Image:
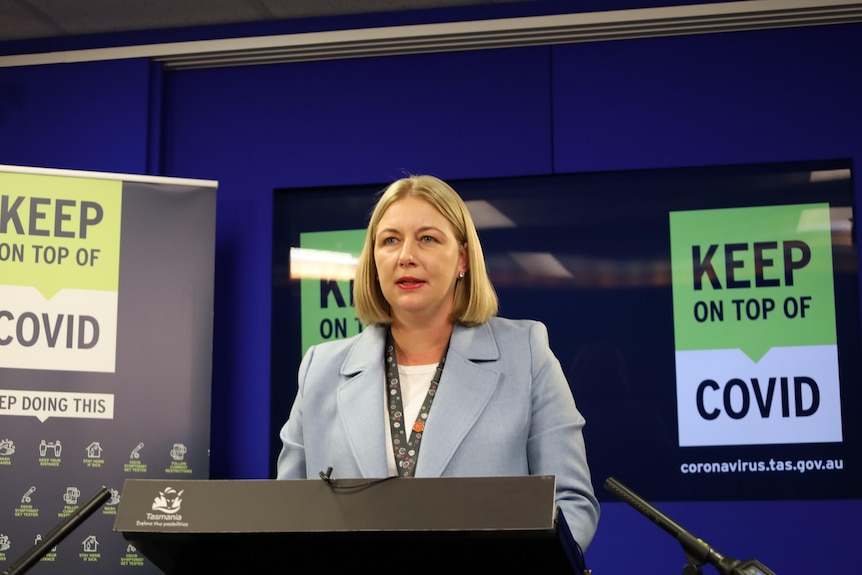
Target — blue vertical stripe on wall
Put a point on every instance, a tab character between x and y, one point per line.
154	120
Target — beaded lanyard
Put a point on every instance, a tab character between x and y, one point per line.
406	450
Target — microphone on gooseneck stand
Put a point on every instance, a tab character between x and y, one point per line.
696	550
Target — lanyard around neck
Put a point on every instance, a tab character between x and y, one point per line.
406	449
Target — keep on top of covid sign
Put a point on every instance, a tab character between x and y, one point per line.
59	272
754	324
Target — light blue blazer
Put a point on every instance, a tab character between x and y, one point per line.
503	408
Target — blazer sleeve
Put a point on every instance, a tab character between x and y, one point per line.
556	443
291	459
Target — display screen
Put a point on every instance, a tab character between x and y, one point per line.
707	318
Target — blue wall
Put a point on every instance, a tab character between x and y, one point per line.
665	102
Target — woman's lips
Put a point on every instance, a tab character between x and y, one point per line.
409	283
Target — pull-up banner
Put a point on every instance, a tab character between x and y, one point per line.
106	303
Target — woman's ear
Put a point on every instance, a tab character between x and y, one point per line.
463	260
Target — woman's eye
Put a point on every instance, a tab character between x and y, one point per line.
429	239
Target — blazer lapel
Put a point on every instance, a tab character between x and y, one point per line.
360	403
465	389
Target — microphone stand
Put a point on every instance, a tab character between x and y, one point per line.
697	551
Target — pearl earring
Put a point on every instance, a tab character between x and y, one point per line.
461	275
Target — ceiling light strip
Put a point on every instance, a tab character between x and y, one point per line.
512	38
473	35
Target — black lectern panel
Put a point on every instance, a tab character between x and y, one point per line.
420	525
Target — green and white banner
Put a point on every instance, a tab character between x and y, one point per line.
754	325
60	267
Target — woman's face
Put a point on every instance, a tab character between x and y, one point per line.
418	259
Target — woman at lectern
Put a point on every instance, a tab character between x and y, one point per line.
436	385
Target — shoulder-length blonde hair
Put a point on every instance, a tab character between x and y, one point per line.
475	297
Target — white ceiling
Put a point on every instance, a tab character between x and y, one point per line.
35	19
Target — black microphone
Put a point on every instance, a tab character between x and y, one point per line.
695	548
327	476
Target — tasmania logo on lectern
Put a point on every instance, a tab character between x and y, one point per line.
165	510
754	325
168	501
59	271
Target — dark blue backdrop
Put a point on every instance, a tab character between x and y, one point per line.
713	99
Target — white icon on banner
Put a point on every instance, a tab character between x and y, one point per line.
136	452
178	452
91	544
4	542
115	497
71	496
94	450
54	446
26	497
6	447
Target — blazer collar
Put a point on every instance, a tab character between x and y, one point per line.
472	343
475	343
467	385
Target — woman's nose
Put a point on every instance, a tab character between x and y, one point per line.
406	257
